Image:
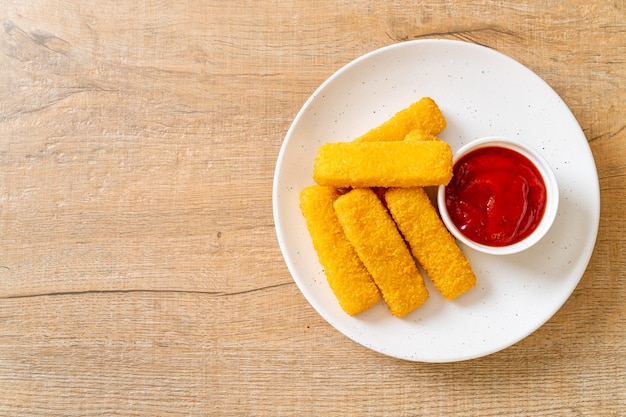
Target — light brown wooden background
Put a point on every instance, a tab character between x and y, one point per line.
139	270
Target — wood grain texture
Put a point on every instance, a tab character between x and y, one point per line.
139	269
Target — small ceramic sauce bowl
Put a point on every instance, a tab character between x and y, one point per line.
503	196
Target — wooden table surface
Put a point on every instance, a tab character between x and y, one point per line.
140	272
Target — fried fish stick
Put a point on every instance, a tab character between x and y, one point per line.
406	163
378	243
346	275
430	242
424	115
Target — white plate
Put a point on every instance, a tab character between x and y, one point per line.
481	93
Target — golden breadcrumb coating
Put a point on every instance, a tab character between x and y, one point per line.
424	115
372	232
430	242
406	163
347	276
418	134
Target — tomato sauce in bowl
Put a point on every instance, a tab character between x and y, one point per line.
497	196
502	197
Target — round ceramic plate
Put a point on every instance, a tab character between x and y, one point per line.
481	93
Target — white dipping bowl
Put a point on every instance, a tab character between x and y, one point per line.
552	196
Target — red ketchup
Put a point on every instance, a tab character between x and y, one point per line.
496	197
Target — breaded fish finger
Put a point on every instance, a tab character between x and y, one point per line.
378	243
424	115
346	275
406	163
430	242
